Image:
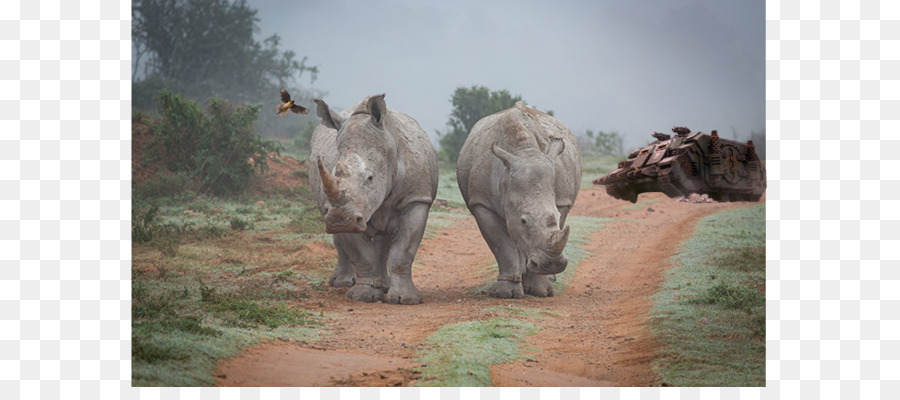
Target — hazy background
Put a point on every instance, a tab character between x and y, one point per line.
632	66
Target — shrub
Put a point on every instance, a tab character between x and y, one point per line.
144	223
239	224
219	149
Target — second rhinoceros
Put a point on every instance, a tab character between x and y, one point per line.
519	172
377	178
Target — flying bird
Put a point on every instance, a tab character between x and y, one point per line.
289	105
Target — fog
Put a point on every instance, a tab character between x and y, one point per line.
632	66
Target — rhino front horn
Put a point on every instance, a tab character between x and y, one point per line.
329	183
558	241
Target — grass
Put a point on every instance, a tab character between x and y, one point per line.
710	314
461	354
448	189
594	167
439	220
213	275
308	220
180	331
244	313
512	311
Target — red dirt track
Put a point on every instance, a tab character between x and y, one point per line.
599	338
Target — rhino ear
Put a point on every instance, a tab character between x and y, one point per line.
503	155
377	108
556	147
329	118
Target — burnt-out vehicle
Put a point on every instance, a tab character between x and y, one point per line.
689	162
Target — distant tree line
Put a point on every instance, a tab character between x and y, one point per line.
206	48
601	143
471	104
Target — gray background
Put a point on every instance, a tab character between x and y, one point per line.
634	67
833	282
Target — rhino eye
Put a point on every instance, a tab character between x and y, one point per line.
370	177
524	222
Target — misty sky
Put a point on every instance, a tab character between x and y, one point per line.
629	66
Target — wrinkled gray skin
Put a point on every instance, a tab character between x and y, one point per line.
374	174
519	172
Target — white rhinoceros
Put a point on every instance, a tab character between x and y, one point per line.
519	172
377	177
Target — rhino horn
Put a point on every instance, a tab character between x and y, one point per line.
558	241
329	183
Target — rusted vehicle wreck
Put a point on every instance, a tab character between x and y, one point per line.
725	170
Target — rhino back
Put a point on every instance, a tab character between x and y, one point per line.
479	171
417	166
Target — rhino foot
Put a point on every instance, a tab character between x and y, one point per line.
342	279
408	296
537	285
365	293
506	290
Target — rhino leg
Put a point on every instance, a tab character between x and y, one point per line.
364	256
537	285
344	274
405	243
510	262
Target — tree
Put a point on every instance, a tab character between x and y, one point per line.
469	106
206	48
218	148
606	143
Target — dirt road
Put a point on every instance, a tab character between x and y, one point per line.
600	337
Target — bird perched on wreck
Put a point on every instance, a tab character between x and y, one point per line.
288	104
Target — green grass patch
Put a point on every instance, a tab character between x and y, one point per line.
441	219
594	167
732	297
213	275
448	188
710	314
512	311
461	354
309	220
245	313
180	331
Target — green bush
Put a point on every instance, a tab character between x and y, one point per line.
239	224
163	185
144	223
220	149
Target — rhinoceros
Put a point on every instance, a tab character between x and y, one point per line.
519	172
377	178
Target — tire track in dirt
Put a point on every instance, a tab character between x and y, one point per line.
600	339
